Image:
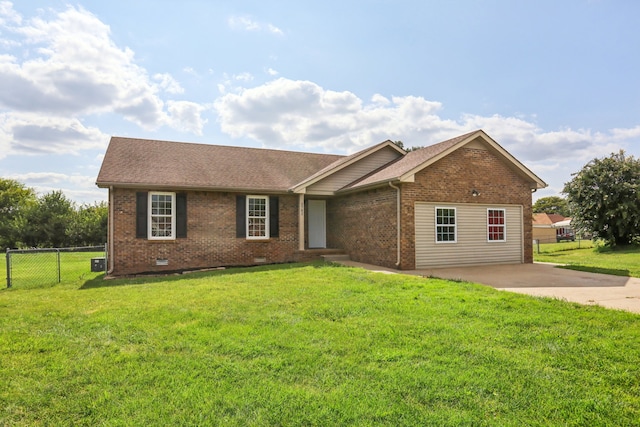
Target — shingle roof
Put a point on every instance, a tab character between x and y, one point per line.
408	162
547	219
148	163
154	164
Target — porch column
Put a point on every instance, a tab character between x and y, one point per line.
301	222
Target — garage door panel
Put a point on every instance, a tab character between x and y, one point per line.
472	247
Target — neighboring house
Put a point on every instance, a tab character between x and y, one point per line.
550	228
179	206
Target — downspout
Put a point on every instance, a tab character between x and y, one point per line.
398	222
110	236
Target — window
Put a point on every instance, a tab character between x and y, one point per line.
257	217
162	216
496	225
446	225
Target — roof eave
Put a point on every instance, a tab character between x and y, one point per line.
142	185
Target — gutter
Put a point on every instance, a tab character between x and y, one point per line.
110	236
398	222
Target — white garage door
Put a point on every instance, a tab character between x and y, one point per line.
472	245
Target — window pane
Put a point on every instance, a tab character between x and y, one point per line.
161	215
496	224
445	225
257	213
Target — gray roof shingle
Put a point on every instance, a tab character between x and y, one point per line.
154	164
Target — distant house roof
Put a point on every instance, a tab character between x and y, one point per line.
544	219
130	162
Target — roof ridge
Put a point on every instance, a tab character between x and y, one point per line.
278	150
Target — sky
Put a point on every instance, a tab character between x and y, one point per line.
556	83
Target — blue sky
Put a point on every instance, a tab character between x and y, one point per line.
556	83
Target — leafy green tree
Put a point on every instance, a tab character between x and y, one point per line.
88	225
604	198
15	199
48	220
551	205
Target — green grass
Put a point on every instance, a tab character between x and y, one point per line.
311	345
620	261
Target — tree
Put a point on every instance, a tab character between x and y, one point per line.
551	205
401	145
88	225
604	198
47	221
15	199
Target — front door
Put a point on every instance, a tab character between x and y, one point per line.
317	224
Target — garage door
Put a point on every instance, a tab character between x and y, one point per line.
468	243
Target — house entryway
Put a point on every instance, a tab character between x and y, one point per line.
317	214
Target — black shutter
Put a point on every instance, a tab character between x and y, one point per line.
241	219
181	215
141	214
274	222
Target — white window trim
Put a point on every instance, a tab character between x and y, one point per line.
266	218
150	216
455	226
504	226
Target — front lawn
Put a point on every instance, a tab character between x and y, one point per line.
311	345
621	261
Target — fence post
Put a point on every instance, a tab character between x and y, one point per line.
58	252
8	268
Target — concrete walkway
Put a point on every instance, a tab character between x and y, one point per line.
539	279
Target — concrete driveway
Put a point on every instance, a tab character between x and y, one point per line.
617	292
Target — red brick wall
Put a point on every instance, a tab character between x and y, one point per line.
452	179
364	225
211	236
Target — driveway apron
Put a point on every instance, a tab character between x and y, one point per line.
545	280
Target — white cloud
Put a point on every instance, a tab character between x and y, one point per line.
168	83
29	133
246	23
8	15
186	116
70	68
289	113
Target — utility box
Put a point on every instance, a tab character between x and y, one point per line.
98	264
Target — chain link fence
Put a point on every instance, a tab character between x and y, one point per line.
31	268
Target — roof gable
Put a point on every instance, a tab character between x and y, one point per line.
361	163
405	169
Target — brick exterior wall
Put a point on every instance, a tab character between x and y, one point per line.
211	236
451	179
364	225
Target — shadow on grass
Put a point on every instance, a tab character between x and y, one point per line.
141	279
600	270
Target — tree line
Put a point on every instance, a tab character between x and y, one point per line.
48	221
